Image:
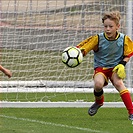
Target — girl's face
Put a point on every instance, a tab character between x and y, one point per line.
110	28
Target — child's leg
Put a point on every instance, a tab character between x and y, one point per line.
125	95
99	97
99	81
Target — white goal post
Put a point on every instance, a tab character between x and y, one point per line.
33	34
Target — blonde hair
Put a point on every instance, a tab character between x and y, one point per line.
114	15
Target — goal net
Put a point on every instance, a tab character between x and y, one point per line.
33	34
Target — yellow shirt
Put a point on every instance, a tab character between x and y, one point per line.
91	43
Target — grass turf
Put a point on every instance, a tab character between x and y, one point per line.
64	120
53	97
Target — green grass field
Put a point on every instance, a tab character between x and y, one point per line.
54	97
64	120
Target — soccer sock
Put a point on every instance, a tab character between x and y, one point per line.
99	97
125	95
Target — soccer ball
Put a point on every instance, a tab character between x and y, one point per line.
72	56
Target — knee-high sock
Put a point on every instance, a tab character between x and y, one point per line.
125	95
99	97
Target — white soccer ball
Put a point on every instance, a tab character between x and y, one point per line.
72	56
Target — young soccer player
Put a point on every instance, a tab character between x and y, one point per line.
5	71
112	50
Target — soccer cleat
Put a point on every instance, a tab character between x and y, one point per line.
131	117
93	109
